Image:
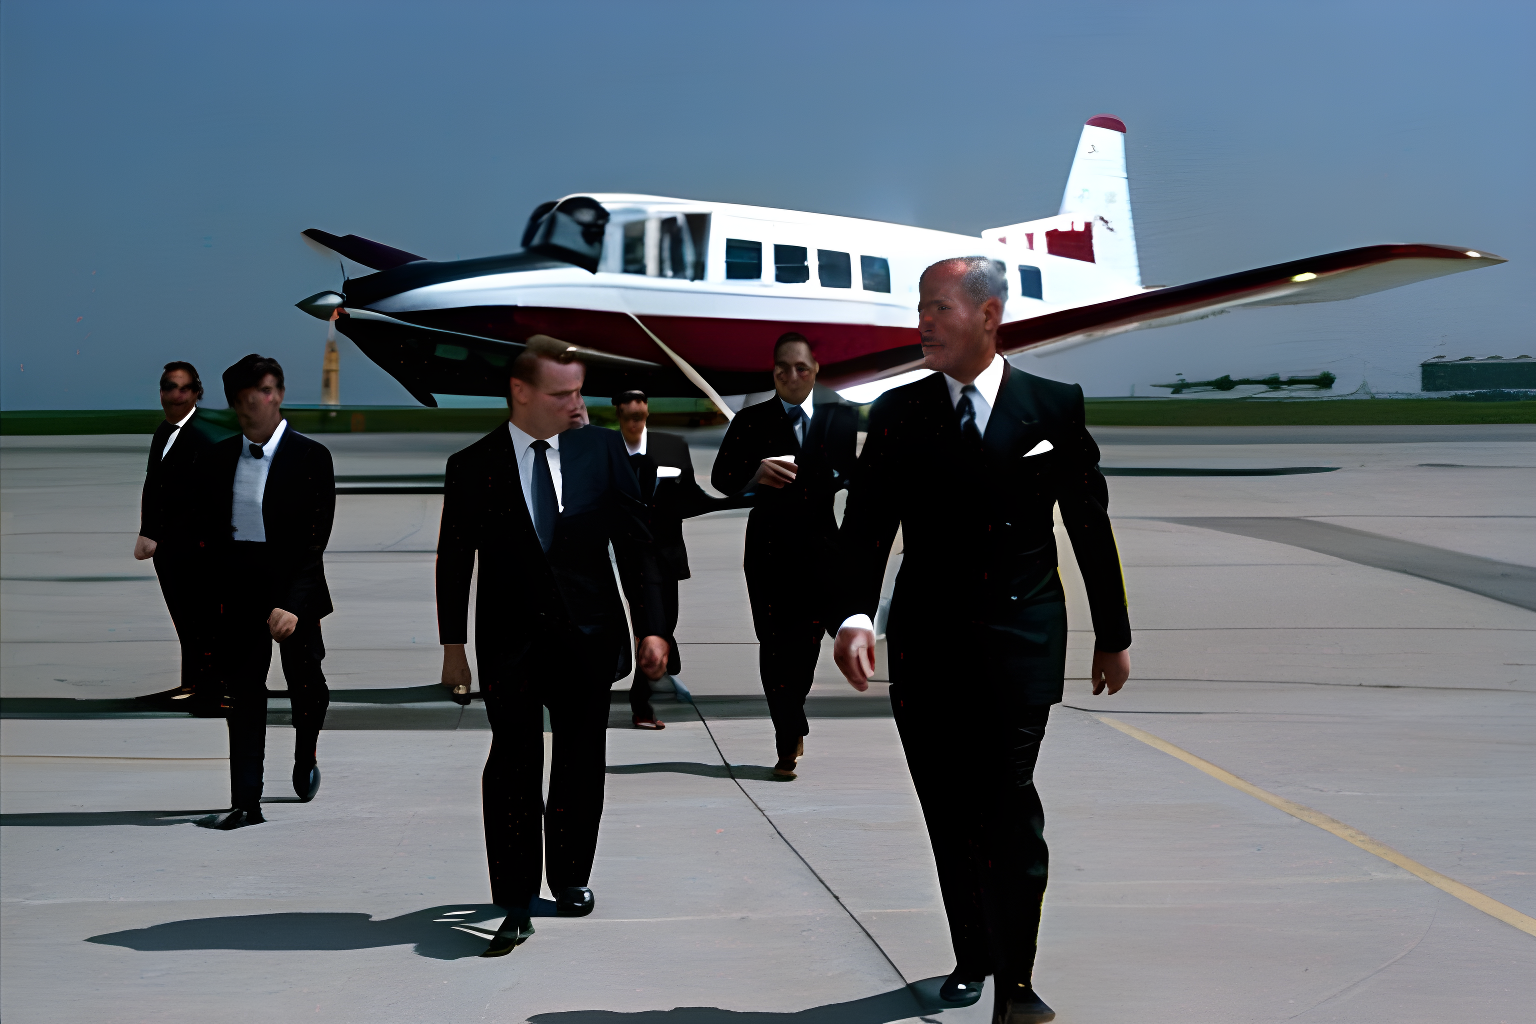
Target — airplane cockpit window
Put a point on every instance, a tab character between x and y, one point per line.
877	273
1029	283
743	260
834	269
671	247
789	264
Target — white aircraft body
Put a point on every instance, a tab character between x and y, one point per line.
676	296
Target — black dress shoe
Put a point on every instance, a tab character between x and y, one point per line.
575	901
514	931
306	781
238	818
960	990
1025	1008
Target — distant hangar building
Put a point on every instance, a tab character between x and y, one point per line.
1473	373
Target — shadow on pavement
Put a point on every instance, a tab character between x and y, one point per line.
69	819
899	1004
755	772
437	932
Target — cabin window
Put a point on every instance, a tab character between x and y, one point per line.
670	247
877	273
834	269
790	264
634	247
743	260
1029	283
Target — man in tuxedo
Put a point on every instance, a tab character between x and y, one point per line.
167	532
539	500
269	501
664	470
968	463
790	455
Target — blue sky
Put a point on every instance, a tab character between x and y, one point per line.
157	160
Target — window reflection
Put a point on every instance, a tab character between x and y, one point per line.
743	260
790	264
834	269
1029	283
877	273
671	247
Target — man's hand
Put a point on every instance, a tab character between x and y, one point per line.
144	548
455	667
854	652
773	473
653	654
1111	669
281	624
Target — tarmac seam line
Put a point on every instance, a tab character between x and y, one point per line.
731	770
1465	893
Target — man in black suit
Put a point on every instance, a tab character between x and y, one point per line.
269	501
669	487
539	501
969	462
167	531
791	455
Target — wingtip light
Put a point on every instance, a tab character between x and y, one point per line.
1474	255
1300	278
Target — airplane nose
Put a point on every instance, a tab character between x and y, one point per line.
321	305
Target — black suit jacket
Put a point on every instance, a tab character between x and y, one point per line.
524	592
297	511
977	528
801	512
672	499
167	509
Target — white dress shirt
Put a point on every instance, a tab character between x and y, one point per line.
522	447
176	433
638	449
803	425
988	383
251	487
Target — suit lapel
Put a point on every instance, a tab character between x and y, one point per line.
1009	418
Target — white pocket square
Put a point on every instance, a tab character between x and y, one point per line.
1039	449
667	472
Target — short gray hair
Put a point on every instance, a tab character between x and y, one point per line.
985	278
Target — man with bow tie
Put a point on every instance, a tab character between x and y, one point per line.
269	500
790	455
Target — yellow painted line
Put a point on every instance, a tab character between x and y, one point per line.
1465	893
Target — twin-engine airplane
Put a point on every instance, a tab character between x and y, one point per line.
676	297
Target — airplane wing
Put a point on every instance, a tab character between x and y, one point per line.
1338	275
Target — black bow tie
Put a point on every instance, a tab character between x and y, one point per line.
256	451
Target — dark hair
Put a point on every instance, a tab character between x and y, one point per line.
789	338
541	346
632	395
248	373
188	369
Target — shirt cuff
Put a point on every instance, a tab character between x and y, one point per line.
859	621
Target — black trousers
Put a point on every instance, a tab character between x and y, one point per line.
972	742
192	609
639	686
521	831
243	659
788	619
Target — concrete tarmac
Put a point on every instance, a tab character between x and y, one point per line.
1325	673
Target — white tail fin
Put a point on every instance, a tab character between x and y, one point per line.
1099	193
1094	224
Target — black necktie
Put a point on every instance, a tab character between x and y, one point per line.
967	411
255	450
796	418
545	508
